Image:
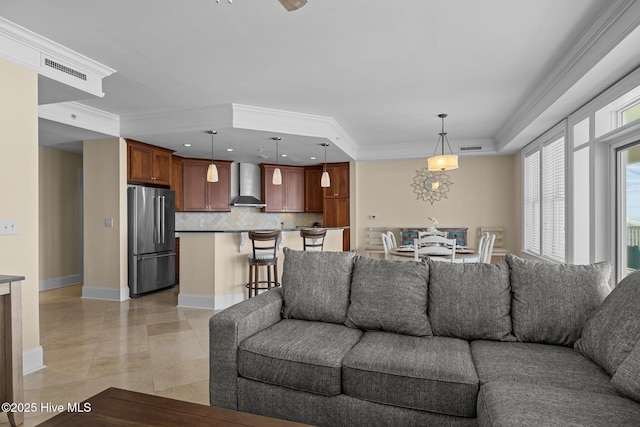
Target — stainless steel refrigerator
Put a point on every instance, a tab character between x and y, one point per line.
152	244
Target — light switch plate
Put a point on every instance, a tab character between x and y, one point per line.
8	226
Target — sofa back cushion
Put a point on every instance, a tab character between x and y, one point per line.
470	301
316	285
388	295
551	302
613	330
627	377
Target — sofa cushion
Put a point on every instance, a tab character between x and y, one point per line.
529	363
627	378
506	404
298	354
316	285
390	296
470	301
433	374
551	302
614	328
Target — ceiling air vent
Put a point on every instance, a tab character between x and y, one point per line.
57	66
472	148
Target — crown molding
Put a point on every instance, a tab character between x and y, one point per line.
616	20
30	50
187	120
417	150
79	115
289	122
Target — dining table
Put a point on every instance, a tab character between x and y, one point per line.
463	254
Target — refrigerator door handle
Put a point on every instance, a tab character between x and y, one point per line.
142	257
162	221
156	201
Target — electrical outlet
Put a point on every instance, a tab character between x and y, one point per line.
108	222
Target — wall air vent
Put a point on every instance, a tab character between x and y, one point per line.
57	66
472	148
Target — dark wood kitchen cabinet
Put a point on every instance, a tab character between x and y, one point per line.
339	176
199	195
148	164
313	192
287	197
176	180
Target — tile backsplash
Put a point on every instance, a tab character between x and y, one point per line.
243	218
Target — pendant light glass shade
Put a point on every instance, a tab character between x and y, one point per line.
442	162
277	175
212	170
325	180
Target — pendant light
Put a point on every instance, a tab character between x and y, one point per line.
442	162
325	181
277	175
212	171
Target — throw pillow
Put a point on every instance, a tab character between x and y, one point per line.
316	285
470	301
627	378
391	296
614	328
551	302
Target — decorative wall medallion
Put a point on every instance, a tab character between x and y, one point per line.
431	186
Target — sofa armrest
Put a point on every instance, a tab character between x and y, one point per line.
227	330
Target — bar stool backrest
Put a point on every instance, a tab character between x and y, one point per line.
264	244
313	238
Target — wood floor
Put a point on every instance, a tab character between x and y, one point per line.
146	345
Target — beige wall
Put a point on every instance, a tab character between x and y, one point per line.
482	194
59	213
19	188
105	196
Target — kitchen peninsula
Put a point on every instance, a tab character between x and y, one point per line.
213	264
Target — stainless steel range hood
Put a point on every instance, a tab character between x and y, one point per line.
247	185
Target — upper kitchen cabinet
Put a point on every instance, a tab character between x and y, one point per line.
287	197
312	189
176	180
148	164
198	194
339	176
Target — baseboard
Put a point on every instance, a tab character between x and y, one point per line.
32	360
196	301
109	294
58	282
226	301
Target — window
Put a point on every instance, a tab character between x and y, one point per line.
544	201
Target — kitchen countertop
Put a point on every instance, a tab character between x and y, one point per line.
256	229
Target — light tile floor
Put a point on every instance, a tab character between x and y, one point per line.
145	344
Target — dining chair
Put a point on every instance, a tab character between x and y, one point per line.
385	245
392	240
487	251
435	245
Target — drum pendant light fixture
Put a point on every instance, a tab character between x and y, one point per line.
325	181
442	162
277	175
212	171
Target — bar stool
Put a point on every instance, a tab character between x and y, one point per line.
264	254
313	238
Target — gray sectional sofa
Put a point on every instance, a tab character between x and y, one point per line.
356	341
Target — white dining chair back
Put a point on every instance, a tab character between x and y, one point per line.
392	240
487	251
428	244
385	245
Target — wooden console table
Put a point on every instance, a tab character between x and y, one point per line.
11	344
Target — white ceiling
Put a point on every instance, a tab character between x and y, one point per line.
382	70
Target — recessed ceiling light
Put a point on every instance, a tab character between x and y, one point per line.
312	158
229	149
283	155
187	145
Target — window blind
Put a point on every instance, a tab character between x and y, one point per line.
532	202
553	197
